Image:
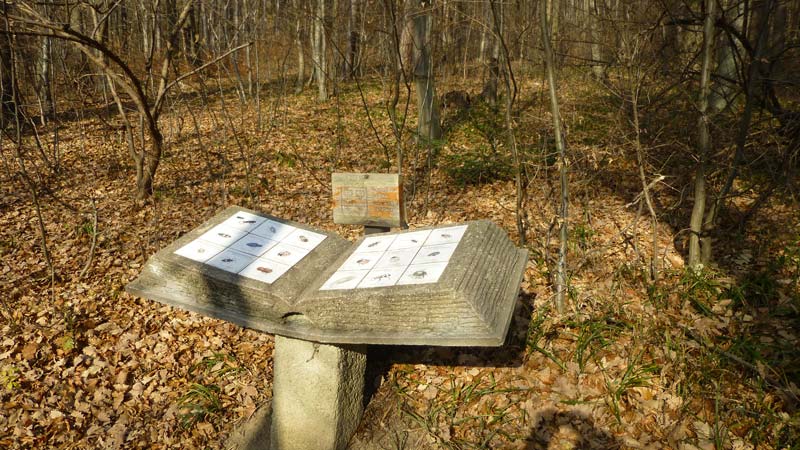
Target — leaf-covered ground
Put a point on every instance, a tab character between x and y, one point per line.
690	361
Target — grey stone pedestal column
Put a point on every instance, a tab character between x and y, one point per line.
317	394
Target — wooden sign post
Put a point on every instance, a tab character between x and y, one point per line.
374	200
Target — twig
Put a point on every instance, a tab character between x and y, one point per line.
214	61
303	163
94	241
774	382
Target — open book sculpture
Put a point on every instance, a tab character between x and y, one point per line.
451	285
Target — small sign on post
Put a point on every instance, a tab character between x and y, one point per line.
369	199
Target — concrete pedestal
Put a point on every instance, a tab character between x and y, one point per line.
317	394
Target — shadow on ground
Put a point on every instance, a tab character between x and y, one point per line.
574	428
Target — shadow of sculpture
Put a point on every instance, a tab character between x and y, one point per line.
553	428
380	358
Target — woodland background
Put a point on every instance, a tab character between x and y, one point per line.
645	152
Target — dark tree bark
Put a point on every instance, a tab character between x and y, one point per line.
8	103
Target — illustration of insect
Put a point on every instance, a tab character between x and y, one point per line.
447	236
382	277
285	253
273	230
227	260
302	238
254	244
248	221
374	244
420	274
394	259
363	261
201	250
264	269
224	235
433	253
240	217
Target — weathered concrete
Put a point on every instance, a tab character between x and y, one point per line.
317	394
470	305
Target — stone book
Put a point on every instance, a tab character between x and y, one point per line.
449	285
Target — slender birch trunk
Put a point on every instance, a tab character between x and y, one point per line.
561	270
704	141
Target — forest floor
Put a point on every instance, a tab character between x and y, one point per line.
692	360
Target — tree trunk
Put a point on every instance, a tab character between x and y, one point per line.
555	36
428	127
697	237
147	164
319	50
485	32
598	67
298	42
9	95
561	270
190	37
753	83
352	33
45	89
723	90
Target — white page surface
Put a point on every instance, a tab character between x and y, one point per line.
264	270
199	250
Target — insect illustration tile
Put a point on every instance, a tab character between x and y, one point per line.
446	235
199	250
361	260
397	258
253	244
264	270
223	235
244	221
410	240
304	239
344	279
231	260
376	243
435	253
286	254
381	277
273	230
422	273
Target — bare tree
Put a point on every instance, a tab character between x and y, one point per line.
29	20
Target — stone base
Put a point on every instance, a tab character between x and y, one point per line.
317	399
